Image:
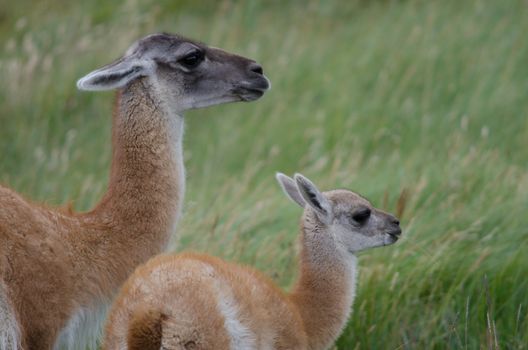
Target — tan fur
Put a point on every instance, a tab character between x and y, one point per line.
192	291
186	288
53	262
58	269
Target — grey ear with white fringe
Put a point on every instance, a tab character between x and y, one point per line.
289	187
314	198
114	75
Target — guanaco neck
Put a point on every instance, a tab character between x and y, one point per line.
325	289
146	184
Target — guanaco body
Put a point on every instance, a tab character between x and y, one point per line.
58	270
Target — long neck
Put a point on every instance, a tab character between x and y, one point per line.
326	286
146	186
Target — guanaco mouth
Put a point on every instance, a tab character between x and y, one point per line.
395	234
250	91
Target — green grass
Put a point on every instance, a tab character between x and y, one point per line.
427	97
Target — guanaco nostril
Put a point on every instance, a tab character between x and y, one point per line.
256	68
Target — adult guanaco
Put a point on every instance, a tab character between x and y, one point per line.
58	270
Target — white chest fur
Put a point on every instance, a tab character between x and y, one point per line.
84	329
9	332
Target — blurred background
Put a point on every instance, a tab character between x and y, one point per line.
419	105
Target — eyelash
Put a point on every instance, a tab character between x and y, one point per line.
361	216
192	59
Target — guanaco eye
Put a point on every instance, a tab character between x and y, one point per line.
361	215
192	59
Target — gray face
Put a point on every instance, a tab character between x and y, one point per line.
358	225
187	73
201	75
353	222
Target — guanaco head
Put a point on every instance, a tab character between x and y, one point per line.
187	73
354	223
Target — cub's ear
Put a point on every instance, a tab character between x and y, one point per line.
290	188
114	75
314	198
145	330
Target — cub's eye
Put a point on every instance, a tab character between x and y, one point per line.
361	215
192	60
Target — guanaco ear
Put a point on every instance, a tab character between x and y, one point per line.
114	75
144	330
290	188
314	198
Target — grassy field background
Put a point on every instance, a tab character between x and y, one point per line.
427	98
